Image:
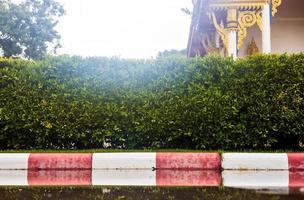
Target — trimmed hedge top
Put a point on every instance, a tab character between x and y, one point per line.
210	103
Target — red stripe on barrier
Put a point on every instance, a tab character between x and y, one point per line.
296	161
59	178
296	178
60	161
188	178
188	161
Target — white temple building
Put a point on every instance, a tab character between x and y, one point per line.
243	27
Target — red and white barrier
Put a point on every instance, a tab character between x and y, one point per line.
263	161
255	161
124	160
206	161
14	161
60	161
296	161
156	160
172	161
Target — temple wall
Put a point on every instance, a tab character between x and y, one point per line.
287	35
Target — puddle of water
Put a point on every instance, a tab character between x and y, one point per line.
111	177
160	183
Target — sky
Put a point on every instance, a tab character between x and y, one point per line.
123	28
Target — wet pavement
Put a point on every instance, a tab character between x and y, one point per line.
144	193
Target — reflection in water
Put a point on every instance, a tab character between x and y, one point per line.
255	179
111	177
59	177
296	179
266	182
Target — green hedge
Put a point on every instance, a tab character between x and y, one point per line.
210	103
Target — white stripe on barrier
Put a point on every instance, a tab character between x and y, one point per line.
12	161
255	179
13	178
124	161
255	161
124	177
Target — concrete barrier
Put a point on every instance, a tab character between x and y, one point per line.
172	161
124	160
206	161
13	161
255	161
296	161
60	161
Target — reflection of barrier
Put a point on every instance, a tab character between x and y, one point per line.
61	177
296	179
188	178
110	177
238	179
263	179
122	177
13	178
255	179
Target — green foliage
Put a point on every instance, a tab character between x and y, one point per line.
27	28
171	102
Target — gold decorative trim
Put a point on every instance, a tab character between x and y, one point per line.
275	5
208	42
246	19
219	28
248	5
259	20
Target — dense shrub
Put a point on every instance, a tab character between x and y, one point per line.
210	103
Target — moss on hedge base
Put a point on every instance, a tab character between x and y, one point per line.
210	103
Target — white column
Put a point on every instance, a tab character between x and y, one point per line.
232	43
266	29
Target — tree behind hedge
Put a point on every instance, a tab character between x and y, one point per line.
27	29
